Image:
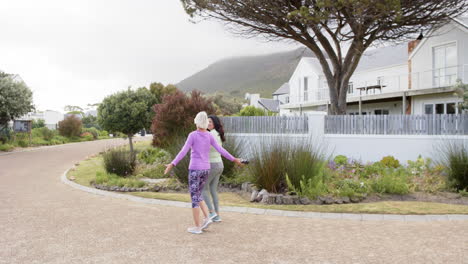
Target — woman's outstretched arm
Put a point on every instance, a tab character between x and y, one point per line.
222	151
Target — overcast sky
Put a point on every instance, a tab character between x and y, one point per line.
75	52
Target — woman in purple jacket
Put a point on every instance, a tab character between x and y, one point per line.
200	141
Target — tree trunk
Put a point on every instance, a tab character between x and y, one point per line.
338	103
130	137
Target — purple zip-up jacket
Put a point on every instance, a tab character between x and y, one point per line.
200	143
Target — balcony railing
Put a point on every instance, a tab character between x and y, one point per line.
434	78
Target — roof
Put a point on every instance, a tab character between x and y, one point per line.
462	21
284	89
372	59
382	57
270	104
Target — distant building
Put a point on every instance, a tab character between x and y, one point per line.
50	117
267	104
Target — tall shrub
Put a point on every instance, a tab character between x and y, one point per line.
455	158
119	161
70	126
174	116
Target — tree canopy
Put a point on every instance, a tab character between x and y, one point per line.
15	98
127	112
336	31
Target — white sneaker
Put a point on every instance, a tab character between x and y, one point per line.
213	215
206	223
194	230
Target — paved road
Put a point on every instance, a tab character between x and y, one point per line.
43	220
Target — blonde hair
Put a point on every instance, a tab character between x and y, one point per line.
201	120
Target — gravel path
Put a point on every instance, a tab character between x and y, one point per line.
43	220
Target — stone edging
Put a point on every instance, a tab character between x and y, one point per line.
260	211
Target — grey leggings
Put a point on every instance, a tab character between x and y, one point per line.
211	186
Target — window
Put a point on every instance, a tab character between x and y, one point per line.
429	109
306	88
350	88
444	64
451	108
381	112
440	109
287	99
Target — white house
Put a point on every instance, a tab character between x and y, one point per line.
266	104
413	78
50	117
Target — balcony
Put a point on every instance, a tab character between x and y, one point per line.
386	85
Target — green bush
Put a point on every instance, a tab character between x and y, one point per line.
372	170
305	162
44	133
93	131
455	158
391	182
310	188
6	147
269	166
154	172
103	134
87	136
22	143
273	161
38	123
40	142
151	155
390	162
238	177
341	160
351	188
251	111
119	161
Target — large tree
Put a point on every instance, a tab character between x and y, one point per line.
15	99
127	112
336	31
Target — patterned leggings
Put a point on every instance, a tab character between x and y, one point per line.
197	179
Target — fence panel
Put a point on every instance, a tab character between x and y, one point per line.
266	124
397	124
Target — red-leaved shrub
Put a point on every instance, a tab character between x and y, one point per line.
70	126
174	116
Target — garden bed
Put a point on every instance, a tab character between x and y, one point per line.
233	194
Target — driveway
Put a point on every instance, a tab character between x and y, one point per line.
42	220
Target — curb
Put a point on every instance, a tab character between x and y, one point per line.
271	212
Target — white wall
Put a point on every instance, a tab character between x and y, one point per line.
283	98
253	99
296	82
53	117
366	148
422	60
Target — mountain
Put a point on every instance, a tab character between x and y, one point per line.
239	75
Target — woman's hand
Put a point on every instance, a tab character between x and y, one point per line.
238	162
168	168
